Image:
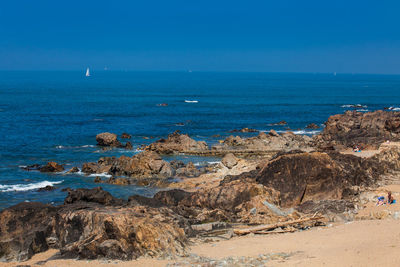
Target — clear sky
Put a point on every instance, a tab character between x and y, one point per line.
273	36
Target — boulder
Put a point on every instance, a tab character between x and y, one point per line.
107	139
96	195
73	170
229	160
244	130
176	143
51	167
46	188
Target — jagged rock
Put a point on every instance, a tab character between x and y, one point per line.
175	143
229	160
361	129
128	146
272	133
24	229
125	136
73	170
51	167
176	164
312	126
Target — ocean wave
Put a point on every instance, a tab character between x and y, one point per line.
206	163
362	110
104	174
354	106
27	187
68	147
300	132
191	101
393	108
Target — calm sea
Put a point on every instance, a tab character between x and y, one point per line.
55	116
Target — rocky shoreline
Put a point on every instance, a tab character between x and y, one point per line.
269	179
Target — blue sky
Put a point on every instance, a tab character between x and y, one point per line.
272	36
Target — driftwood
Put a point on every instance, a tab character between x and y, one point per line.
273	226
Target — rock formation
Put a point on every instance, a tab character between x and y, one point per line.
266	142
361	129
111	140
147	164
51	167
176	143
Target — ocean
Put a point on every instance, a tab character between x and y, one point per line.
55	116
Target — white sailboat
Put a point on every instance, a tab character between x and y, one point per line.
87	72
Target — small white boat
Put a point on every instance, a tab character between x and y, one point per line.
191	101
87	72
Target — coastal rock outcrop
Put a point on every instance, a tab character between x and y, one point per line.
147	164
229	160
266	142
360	128
176	143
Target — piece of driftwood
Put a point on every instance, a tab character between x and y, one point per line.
273	226
274	232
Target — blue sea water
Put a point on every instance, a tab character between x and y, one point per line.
55	116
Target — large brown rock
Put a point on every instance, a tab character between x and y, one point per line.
229	160
107	139
24	229
176	143
111	140
362	129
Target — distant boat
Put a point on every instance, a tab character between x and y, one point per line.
87	72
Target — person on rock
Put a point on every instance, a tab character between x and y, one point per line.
390	199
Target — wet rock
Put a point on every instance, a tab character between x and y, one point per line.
312	126
51	167
125	136
33	167
118	181
176	164
46	188
73	170
24	229
128	146
281	123
229	160
176	143
97	180
244	130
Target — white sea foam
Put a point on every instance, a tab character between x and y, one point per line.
362	110
84	146
394	108
208	162
191	101
104	174
302	132
354	106
27	187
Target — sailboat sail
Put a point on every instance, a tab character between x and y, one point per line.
87	72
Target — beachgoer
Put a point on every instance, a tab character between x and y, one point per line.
390	200
381	201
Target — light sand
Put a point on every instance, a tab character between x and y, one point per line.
360	243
